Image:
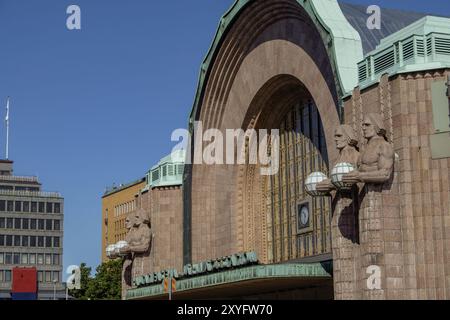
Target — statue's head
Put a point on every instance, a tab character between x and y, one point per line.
141	217
373	125
129	221
344	136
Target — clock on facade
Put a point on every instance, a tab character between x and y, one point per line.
303	216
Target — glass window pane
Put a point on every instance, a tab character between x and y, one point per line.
33	206
49	207
32	241
40	258
48	242
2	258
48	276
56	259
2	240
24	258
32	258
16	258
33	224
17	241
48	259
40	241
26	206
56	242
18	206
56	225
7	276
9	223
17	223
25	224
41	206
10	206
8	258
2	223
57	207
9	241
25	241
48	224
56	276
2	205
40	276
41	224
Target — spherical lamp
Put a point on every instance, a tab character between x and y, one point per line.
111	251
338	172
120	245
311	184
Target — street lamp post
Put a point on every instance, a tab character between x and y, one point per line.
54	288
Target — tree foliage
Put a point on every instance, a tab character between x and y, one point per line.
105	285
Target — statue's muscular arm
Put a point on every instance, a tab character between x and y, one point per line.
385	164
143	245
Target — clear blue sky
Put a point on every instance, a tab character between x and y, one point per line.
97	106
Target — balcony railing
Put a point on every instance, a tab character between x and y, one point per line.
42	194
19	178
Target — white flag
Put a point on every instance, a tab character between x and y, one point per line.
7	110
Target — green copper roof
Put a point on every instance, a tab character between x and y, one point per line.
260	272
341	40
423	45
168	171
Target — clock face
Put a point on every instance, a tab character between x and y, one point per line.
304	216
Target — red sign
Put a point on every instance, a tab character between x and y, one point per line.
24	280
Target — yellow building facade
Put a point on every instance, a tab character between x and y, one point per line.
116	204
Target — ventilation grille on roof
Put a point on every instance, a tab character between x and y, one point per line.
429	47
442	46
362	72
420	48
384	61
408	50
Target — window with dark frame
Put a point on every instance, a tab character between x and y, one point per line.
49	207
57	207
41	207
25	224
48	242
48	224
2	205
18	206
10	206
40	241
26	206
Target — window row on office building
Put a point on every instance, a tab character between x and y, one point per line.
30	224
30	206
43	276
124	208
29	241
9	258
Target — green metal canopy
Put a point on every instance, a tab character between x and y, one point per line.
243	278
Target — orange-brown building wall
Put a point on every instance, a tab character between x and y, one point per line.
115	229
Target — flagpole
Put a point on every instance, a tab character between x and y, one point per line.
7	129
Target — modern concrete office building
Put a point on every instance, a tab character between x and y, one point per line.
31	233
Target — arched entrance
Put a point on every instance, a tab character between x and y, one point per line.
271	69
280	221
